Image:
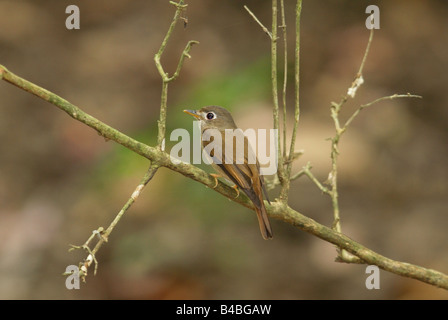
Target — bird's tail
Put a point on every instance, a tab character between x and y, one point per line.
263	221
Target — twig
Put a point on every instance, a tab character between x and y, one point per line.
258	21
297	175
103	235
161	138
359	79
185	54
332	180
307	171
394	96
333	175
366	53
286	185
274	84
285	75
271	184
180	7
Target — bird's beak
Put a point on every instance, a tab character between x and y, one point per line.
193	113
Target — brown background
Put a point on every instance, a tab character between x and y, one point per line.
59	180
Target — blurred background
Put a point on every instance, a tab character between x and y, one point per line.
59	180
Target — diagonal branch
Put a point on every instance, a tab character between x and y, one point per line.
258	21
103	235
278	210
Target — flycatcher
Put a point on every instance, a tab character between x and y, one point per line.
235	163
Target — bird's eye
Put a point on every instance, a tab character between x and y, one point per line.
210	116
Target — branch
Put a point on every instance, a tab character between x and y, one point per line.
333	175
279	209
283	173
103	235
285	74
394	96
258	21
430	276
274	81
276	209
282	179
286	185
332	180
366	53
180	7
185	54
307	171
359	80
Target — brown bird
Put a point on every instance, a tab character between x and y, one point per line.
236	164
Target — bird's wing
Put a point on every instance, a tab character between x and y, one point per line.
238	163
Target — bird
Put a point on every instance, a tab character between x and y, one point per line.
241	167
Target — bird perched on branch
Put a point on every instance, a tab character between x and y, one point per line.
232	157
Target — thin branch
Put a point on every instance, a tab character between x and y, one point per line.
146	178
185	54
278	210
366	53
282	172
103	235
161	123
274	81
307	171
258	21
285	75
297	175
332	180
297	84
285	187
180	7
333	175
394	96
271	184
359	79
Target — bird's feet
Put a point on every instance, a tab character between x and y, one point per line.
216	176
237	190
